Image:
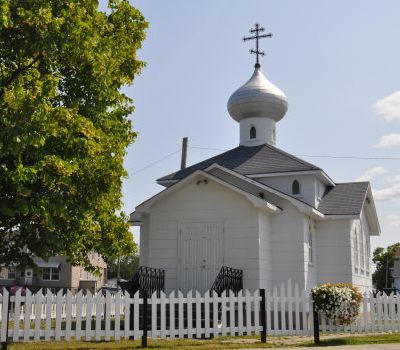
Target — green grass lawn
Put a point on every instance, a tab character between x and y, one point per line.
218	343
356	340
182	344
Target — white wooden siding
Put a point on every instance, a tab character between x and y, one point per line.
334	259
202	202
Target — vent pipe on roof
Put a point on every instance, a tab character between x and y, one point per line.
184	152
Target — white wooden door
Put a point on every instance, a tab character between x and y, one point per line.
28	276
201	255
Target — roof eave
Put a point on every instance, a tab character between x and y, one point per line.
341	216
372	215
166	183
321	173
135	219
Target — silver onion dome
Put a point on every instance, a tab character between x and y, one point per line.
258	98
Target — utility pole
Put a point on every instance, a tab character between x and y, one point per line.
118	270
387	270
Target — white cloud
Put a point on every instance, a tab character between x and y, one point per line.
389	107
388	193
388	140
371	173
392	178
394	220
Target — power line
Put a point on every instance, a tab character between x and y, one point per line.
297	155
156	162
347	157
314	155
210	149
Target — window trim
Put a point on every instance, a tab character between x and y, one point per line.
296	190
362	251
356	247
310	243
7	276
368	254
51	273
253	133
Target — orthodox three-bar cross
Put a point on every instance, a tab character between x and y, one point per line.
257	30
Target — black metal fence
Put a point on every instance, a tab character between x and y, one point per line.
146	279
228	279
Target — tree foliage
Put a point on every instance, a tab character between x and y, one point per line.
381	257
64	126
127	267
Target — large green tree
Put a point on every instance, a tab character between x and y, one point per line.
64	127
384	260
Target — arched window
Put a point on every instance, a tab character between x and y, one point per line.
310	242
295	187
253	132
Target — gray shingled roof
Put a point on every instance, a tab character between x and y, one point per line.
263	159
243	185
344	199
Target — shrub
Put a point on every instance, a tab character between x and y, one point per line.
338	302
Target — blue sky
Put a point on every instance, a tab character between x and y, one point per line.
337	62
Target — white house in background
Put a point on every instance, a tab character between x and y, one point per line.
396	270
259	209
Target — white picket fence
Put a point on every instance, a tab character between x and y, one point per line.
50	311
378	314
98	317
173	316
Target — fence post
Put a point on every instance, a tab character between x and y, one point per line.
131	313
263	318
4	344
144	336
315	322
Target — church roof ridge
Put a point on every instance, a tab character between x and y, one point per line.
262	159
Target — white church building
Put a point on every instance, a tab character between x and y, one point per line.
259	209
